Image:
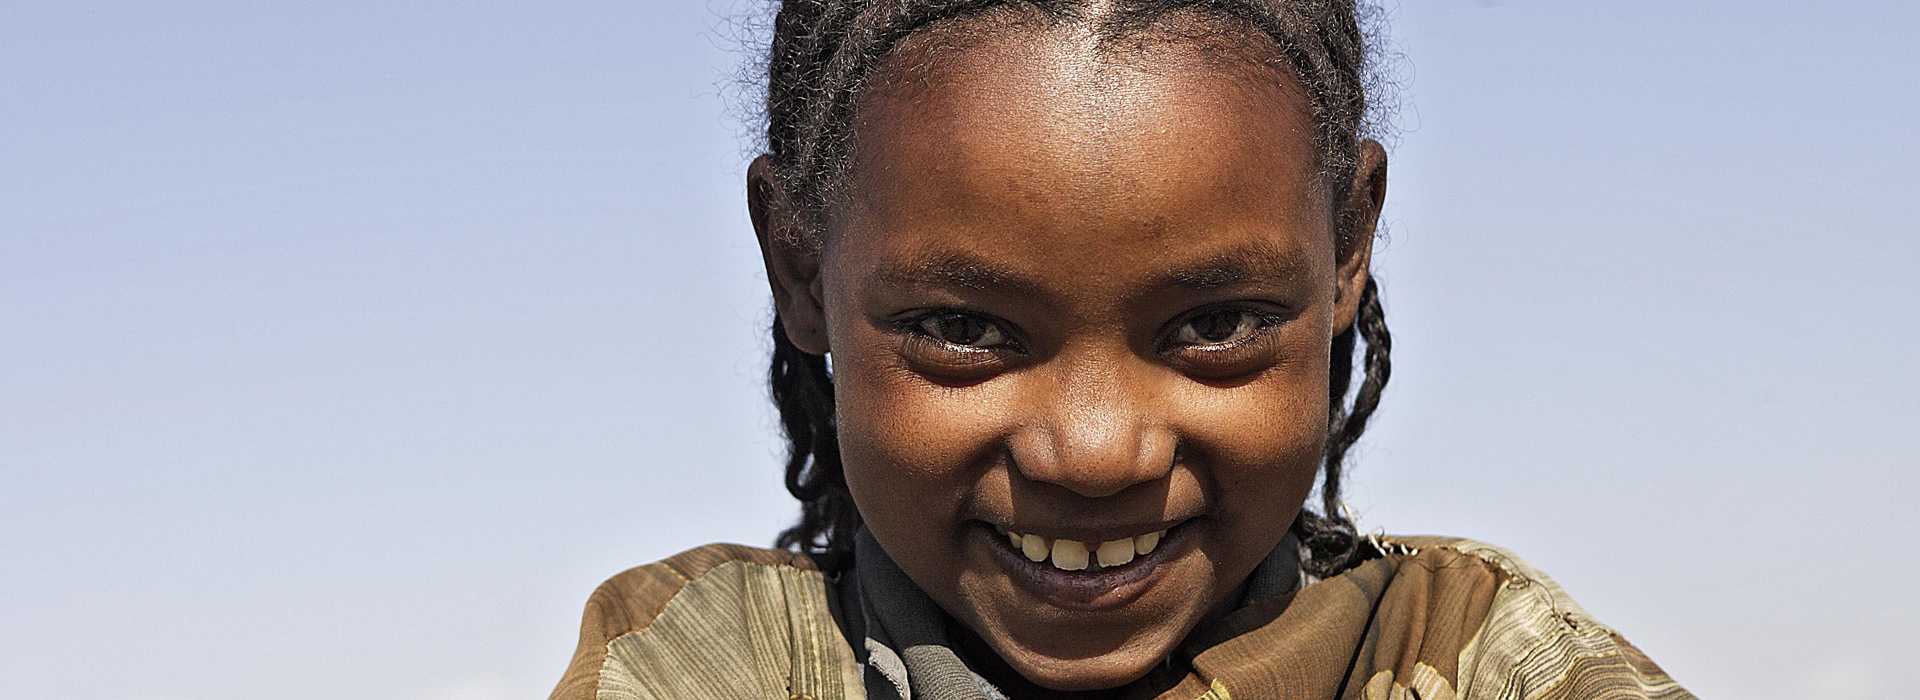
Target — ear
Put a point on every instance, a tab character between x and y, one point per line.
793	267
1358	217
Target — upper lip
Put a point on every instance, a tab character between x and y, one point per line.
1089	531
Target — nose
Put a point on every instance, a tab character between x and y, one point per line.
1095	435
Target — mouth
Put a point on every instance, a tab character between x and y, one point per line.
1085	575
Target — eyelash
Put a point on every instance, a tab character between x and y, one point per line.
921	341
1265	321
911	328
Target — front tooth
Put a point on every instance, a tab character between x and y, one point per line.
1145	544
1014	539
1034	546
1070	555
1116	552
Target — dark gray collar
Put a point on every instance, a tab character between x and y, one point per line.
904	648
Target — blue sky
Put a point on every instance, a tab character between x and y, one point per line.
348	345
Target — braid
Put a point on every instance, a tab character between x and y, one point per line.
803	391
822	57
1330	537
823	51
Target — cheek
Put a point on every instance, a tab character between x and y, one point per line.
1262	441
907	441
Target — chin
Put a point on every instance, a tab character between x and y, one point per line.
1104	672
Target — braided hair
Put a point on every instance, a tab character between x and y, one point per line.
824	54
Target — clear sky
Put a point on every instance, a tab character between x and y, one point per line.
345	346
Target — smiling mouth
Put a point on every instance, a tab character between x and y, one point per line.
1081	575
1074	555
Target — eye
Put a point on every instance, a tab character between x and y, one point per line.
962	330
1219	327
1224	342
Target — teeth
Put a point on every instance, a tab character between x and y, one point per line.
1035	547
1074	555
1144	544
1069	555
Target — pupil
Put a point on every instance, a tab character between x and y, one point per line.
1216	327
962	330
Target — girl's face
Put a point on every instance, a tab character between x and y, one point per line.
1079	311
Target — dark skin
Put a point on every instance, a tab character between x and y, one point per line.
1076	293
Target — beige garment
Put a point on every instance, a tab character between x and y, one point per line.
1431	618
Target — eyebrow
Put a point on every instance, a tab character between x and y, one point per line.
959	270
1259	261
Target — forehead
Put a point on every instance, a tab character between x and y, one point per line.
1043	144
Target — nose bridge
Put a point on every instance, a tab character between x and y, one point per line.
1097	433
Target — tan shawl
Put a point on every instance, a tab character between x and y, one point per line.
1431	618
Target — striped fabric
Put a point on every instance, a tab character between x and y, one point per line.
1432	618
1538	643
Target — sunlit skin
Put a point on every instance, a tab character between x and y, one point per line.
1078	293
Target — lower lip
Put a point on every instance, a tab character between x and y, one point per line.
1082	590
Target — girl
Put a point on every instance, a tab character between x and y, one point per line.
1069	296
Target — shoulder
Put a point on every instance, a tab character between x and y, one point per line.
1501	627
631	600
718	612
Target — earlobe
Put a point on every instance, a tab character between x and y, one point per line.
1359	218
793	267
